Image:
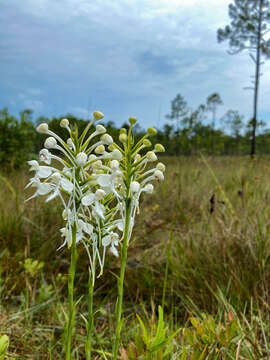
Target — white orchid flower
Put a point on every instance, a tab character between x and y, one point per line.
42	172
111	240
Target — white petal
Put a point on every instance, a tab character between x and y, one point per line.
99	210
88	199
44	171
34	164
52	196
66	185
106	240
120	226
114	251
44	189
88	228
104	180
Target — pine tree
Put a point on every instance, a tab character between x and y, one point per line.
247	31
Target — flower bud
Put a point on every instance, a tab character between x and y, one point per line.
158	175
151	156
116	154
134	186
66	213
81	158
92	157
137	157
64	123
100	129
70	143
42	128
149	188
123	131
123	138
160	166
132	120
147	143
99	194
151	131
111	147
98	115
97	164
114	165
50	143
159	148
100	149
45	156
107	139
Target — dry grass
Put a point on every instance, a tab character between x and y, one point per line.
217	212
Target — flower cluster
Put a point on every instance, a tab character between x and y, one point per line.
95	179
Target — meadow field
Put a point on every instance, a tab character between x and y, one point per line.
200	249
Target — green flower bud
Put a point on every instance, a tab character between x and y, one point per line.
151	156
42	128
132	120
123	131
161	167
151	131
123	138
159	148
64	123
111	147
137	157
98	115
147	143
100	149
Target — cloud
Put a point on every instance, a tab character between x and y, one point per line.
36	105
79	111
122	57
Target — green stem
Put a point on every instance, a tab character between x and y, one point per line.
71	305
120	283
90	325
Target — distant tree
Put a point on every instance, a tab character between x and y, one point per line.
247	31
179	111
234	120
26	115
17	139
212	102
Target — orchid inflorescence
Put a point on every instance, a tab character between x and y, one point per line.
93	176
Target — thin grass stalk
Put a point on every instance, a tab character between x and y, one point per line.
90	324
120	282
166	271
71	304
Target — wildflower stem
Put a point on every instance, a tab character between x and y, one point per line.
118	310
71	305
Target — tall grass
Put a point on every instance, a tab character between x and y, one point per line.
217	215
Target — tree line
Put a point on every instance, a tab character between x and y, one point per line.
187	132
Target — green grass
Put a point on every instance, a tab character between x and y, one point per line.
217	270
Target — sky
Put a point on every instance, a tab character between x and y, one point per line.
122	57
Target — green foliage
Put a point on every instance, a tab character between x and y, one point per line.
16	139
242	32
152	342
4	343
32	267
209	339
